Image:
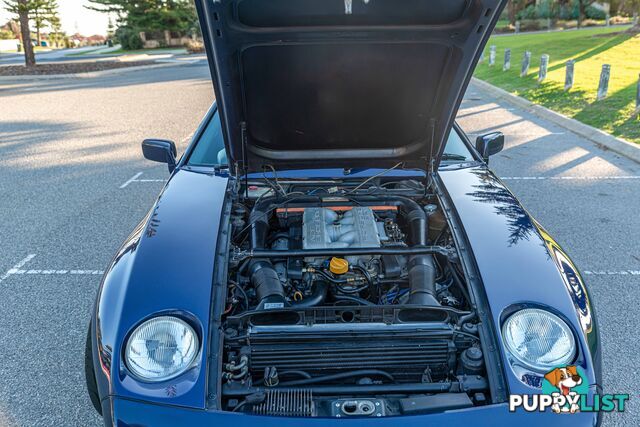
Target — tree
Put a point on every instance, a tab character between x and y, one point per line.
633	7
582	10
55	35
44	11
150	15
23	8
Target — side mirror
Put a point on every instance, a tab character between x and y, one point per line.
160	150
489	144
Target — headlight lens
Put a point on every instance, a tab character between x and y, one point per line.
538	339
161	348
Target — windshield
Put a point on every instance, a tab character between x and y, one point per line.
210	150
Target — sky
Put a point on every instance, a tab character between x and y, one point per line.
74	16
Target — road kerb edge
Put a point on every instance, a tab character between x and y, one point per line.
597	136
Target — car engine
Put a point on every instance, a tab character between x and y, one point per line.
346	303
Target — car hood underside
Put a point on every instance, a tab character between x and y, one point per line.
349	83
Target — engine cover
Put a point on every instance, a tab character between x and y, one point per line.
324	228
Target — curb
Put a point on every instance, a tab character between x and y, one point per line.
597	136
89	75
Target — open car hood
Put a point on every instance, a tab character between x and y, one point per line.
341	83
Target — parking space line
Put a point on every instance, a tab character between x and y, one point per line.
586	178
136	178
17	267
612	273
130	180
524	135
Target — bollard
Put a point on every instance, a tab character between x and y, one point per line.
549	24
603	85
568	77
507	60
517	27
607	20
635	18
526	60
492	55
542	72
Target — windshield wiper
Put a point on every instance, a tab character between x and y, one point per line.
451	156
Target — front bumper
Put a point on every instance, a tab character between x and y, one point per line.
124	412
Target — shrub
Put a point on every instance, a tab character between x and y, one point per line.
6	35
593	13
530	25
134	42
194	46
528	12
620	20
568	24
128	38
591	23
546	9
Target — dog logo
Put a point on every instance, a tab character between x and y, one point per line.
565	379
566	390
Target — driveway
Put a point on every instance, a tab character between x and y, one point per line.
74	184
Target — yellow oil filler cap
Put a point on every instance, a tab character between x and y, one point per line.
338	265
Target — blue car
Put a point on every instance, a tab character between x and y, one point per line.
331	249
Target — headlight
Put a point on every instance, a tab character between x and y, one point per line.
161	348
538	339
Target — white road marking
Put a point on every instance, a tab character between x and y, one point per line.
526	135
612	273
136	178
17	267
586	178
130	180
19	271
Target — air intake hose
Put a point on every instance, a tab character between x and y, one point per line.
266	282
422	281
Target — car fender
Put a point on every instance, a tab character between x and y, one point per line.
520	265
164	267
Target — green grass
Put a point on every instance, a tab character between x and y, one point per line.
590	48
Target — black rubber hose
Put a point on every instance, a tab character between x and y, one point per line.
341	376
459	283
330	278
317	297
299	373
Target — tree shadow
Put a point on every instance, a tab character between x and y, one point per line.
621	105
505	204
199	73
619	38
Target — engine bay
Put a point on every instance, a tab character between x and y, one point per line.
346	300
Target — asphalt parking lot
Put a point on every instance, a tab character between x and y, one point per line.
73	184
